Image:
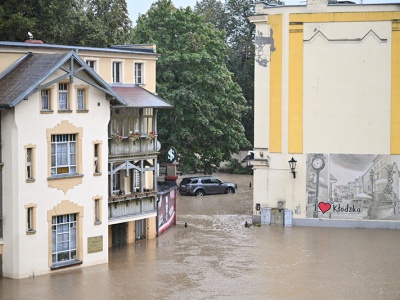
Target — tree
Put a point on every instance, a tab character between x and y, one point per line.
213	12
49	20
204	124
110	23
232	17
97	23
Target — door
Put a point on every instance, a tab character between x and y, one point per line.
119	234
140	229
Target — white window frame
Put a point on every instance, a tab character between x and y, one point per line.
63	154
140	78
63	92
64	238
136	180
116	183
92	63
45	95
117	77
81	99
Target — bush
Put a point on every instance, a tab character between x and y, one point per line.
236	167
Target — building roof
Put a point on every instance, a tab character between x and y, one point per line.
136	96
132	49
27	76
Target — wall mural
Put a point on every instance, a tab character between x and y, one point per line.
349	186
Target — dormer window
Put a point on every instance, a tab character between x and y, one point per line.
63	96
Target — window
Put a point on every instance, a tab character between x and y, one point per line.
46	103
63	154
91	63
116	183
125	121
30	162
139	73
147	120
63	232
81	99
136	181
63	96
117	71
96	159
30	219
29	171
97	211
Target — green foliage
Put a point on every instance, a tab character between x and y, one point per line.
66	22
232	17
236	167
205	123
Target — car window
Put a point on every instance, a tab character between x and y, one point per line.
195	181
206	181
215	180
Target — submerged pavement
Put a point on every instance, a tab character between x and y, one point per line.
216	257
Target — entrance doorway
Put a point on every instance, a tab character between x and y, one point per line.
119	234
140	228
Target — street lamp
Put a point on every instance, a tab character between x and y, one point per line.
292	165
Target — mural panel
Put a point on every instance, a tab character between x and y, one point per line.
350	186
166	211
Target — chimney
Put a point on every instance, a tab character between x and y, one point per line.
34	41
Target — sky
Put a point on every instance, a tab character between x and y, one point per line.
136	7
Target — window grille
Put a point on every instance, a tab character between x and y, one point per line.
63	154
64	238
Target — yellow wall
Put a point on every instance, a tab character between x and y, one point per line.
295	126
131	232
275	144
7	59
151	228
395	111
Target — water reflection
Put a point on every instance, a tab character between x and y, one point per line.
215	257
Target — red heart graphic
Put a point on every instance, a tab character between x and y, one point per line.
324	207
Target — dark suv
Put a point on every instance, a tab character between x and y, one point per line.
205	185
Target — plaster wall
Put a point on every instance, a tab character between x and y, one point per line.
19	129
347	87
336	93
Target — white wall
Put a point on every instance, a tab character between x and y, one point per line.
347	87
24	254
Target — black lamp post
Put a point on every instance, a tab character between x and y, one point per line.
292	165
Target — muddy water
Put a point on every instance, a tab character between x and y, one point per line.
215	257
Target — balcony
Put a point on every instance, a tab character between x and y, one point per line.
130	205
123	145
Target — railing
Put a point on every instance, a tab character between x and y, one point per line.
131	204
124	145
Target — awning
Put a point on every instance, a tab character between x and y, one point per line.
136	96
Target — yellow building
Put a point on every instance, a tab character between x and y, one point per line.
79	153
326	95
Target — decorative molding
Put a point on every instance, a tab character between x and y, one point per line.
320	34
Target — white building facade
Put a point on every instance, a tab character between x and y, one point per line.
66	154
327	94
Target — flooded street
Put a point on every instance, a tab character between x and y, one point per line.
215	257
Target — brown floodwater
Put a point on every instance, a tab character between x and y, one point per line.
216	257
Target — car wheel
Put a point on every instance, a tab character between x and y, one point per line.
230	190
199	193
